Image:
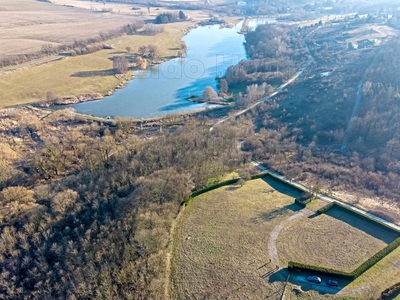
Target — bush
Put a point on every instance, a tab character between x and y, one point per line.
377	257
304	199
324	209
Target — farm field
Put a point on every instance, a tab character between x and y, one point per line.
221	247
27	25
90	73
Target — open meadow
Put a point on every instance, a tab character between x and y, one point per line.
336	240
90	73
224	239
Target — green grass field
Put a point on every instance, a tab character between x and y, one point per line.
89	73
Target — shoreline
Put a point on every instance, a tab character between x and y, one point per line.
86	97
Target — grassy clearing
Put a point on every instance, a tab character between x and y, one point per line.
89	73
382	275
316	204
327	241
220	243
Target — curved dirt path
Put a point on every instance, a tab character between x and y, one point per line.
272	250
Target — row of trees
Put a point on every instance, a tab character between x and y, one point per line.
165	18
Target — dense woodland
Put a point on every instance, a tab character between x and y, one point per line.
86	208
276	52
305	142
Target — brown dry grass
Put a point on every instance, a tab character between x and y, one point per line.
219	247
26	25
336	240
220	243
62	77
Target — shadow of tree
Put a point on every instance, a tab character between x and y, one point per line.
97	73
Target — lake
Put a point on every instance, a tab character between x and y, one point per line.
163	89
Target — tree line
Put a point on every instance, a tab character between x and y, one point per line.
276	52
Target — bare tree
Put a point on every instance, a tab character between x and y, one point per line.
121	65
223	86
209	94
153	51
50	96
141	63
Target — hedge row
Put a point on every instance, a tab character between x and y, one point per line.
261	175
304	199
345	275
389	292
220	184
325	208
210	188
377	257
319	270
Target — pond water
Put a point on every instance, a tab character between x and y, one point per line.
163	89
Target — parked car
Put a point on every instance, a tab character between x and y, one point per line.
332	283
315	279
